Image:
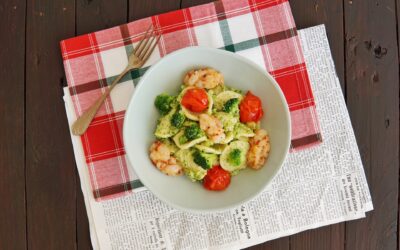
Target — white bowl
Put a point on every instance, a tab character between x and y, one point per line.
141	118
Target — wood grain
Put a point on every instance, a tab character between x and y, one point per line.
190	3
398	142
278	244
142	9
101	14
50	167
328	237
372	75
308	13
12	145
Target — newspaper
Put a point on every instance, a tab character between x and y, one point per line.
316	187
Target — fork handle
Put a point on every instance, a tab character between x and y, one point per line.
82	123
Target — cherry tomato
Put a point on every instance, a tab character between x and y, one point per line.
250	108
196	100
217	179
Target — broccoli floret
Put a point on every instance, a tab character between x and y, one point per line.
200	160
192	170
183	139
177	119
231	106
193	132
204	160
163	103
234	157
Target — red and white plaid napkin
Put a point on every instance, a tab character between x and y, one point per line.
261	30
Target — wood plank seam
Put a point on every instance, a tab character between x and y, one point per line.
397	6
25	130
344	56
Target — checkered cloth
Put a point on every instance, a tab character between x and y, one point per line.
260	30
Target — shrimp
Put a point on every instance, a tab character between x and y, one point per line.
161	157
204	78
213	127
259	149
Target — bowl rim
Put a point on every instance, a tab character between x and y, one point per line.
237	57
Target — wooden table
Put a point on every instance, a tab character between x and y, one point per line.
41	204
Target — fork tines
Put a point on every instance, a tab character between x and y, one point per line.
146	46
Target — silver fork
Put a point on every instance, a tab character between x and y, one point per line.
137	59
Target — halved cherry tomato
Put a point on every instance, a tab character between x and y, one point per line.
250	108
196	100
217	179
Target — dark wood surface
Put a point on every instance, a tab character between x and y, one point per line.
50	178
372	84
12	126
41	202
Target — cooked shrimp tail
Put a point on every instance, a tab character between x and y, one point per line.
162	159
